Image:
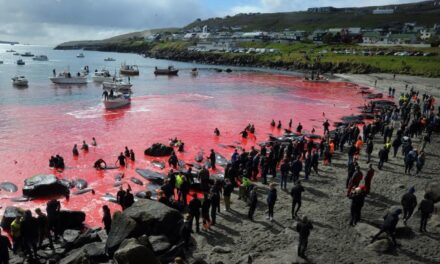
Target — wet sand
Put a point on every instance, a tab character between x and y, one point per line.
325	202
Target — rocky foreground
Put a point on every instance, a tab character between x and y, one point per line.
147	233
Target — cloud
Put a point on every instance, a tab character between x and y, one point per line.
32	20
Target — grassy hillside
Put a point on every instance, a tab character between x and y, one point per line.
423	13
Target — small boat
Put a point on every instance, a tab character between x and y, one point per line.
194	72
40	58
20	62
117	100
129	69
67	78
16	54
81	55
109	59
27	54
11	50
85	70
19	81
1	62
168	71
117	85
102	76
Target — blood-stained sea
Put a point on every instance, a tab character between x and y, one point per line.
37	125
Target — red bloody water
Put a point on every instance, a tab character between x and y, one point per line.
31	134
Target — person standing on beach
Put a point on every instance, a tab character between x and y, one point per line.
296	194
205	212
227	191
369	149
409	203
368	179
271	200
5	245
357	197
284	169
303	228
253	201
194	210
426	208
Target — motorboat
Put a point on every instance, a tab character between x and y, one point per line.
11	50
16	54
19	81
109	59
168	71
81	55
102	76
194	72
129	69
20	62
85	70
116	100
27	54
118	85
67	78
40	58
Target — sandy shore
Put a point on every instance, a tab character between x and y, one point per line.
236	240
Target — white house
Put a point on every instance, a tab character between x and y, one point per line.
384	11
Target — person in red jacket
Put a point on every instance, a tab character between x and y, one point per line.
355	180
368	178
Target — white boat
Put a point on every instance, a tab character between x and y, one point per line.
129	69
102	76
67	78
20	62
81	55
19	81
27	54
109	59
117	100
117	85
40	58
85	70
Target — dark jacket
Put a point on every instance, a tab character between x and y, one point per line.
194	207
426	206
409	200
272	196
253	199
296	192
304	229
227	190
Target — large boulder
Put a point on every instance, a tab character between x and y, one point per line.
42	185
74	240
144	217
160	244
11	212
433	191
158	150
93	252
122	227
155	218
132	252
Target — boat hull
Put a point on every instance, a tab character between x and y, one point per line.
72	80
129	72
116	102
166	72
20	83
102	79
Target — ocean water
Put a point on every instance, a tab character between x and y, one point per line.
46	119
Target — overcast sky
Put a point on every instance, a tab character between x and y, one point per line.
54	21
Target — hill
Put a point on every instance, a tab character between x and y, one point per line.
422	13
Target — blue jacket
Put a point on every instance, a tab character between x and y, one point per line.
272	196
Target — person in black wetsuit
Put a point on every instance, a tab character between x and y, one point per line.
212	159
244	134
53	208
299	128
303	228
127	152
205	212
253	201
75	151
132	156
122	160
84	146
120	197
129	199
216	132
357	197
194	210
296	194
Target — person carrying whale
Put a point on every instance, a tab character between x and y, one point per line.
100	164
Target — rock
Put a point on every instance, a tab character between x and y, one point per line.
132	252
154	218
160	244
172	253
144	241
246	259
11	212
70	235
381	246
434	222
221	250
89	236
42	185
93	252
433	191
366	231
158	150
122	228
71	219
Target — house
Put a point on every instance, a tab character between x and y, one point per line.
383	11
214	46
325	9
425	34
371	37
404	38
317	35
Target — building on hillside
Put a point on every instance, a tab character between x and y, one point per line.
325	9
404	38
317	35
371	37
425	34
205	46
383	11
